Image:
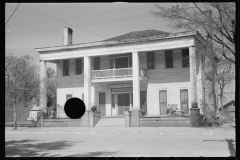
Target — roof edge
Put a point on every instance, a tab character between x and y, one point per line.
101	43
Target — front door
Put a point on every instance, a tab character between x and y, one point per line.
123	102
163	102
184	100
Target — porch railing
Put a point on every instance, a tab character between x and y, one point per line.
112	73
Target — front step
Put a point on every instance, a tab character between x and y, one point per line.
111	122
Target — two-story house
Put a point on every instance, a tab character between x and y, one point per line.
145	70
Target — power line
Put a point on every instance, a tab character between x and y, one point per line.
63	21
84	24
79	16
12	13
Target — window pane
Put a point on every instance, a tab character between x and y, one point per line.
101	98
185	57
78	66
150	60
96	63
120	99
121	62
168	59
65	67
126	99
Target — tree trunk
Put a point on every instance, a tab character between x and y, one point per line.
15	115
214	96
221	101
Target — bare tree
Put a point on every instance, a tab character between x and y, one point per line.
225	76
216	23
21	82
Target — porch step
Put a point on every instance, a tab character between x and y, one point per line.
111	122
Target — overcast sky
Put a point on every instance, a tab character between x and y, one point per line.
28	28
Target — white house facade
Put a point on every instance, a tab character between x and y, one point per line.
145	70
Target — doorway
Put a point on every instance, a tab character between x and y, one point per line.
121	102
163	102
184	100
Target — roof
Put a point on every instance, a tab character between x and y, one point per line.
131	37
139	35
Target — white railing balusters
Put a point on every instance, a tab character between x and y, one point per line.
112	73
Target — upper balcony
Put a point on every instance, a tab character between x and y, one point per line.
119	74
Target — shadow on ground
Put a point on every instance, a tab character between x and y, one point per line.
32	148
231	148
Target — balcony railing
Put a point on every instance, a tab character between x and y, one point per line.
112	73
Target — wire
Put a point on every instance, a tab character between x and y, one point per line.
84	24
12	13
63	21
75	17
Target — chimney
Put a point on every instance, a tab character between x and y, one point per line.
67	36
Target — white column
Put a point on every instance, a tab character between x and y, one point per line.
193	76
87	82
136	82
43	90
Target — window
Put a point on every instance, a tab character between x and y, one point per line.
96	65
65	67
185	57
168	59
121	62
68	96
150	60
101	98
79	66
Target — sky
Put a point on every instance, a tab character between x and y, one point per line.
37	25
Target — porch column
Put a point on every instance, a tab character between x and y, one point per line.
194	110
87	83
43	91
136	91
87	118
193	77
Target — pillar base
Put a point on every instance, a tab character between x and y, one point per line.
195	119
135	118
127	115
87	119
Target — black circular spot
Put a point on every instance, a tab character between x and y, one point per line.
74	108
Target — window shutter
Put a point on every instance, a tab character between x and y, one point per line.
96	63
78	66
150	60
65	67
168	59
